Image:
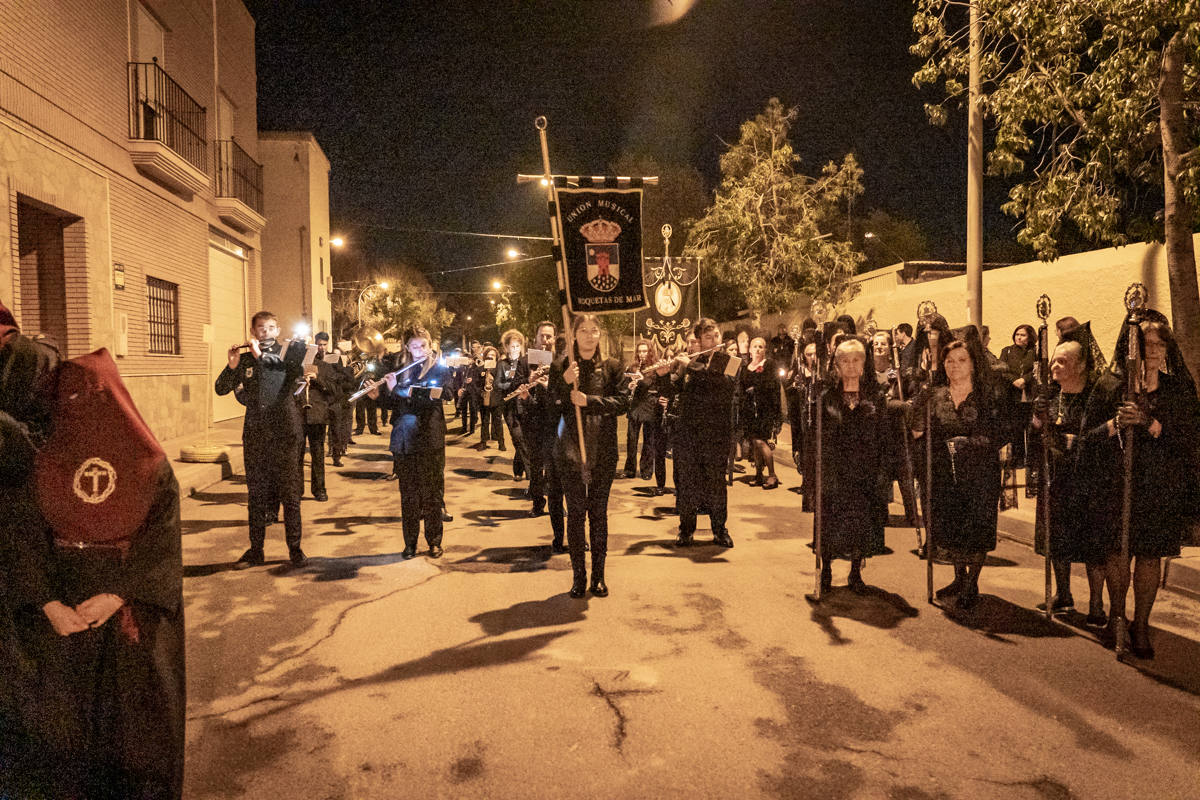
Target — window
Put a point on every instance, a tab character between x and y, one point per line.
163	301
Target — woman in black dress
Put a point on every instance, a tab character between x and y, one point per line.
491	401
1017	361
761	412
511	372
642	408
966	437
854	459
597	387
1163	430
419	440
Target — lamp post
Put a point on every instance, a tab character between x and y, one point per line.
381	285
872	237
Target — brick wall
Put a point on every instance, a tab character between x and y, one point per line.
73	51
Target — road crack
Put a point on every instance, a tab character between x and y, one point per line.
609	696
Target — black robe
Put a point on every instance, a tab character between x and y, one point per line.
1069	538
855	452
106	716
1164	469
966	485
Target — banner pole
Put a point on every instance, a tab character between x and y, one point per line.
560	266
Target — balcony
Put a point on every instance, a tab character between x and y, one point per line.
239	194
166	130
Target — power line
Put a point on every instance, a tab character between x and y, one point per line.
402	229
483	266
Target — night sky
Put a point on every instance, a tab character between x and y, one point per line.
426	109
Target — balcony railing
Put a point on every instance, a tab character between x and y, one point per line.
160	110
238	175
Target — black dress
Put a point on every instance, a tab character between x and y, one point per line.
760	409
702	434
1164	468
1070	539
419	446
966	483
854	460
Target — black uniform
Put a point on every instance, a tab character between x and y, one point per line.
539	421
1070	539
341	415
703	434
321	395
272	437
508	376
418	446
604	384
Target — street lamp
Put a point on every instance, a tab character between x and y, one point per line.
381	285
337	241
872	237
512	253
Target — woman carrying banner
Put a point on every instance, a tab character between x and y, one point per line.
597	387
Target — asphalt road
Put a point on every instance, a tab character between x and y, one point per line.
706	673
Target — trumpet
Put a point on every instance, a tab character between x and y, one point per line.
533	378
372	385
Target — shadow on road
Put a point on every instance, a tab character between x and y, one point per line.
374	456
996	618
700	553
481	473
204	570
487	517
560	609
1175	658
509	559
222	498
878	608
513	492
362	475
344	526
194	526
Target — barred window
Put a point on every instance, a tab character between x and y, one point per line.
163	301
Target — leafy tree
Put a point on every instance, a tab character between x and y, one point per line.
894	239
1090	99
407	302
768	235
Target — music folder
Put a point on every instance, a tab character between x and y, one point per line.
538	358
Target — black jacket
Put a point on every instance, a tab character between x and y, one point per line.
268	383
418	424
606	388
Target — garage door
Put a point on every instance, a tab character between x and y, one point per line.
230	320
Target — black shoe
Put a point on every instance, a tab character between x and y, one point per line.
1139	642
408	552
738	468
351	442
536	512
435	551
321	497
755	481
771	482
251	558
722	538
481	446
579	585
447	516
1096	619
1058	606
375	433
683	539
356	433
502	448
598	589
297	557
337	461
557	547
646	476
630	474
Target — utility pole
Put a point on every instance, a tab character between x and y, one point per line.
974	177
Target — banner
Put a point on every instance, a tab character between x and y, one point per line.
674	291
601	233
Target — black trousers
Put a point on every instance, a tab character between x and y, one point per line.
470	410
545	488
588	505
315	436
701	482
341	418
422	482
520	447
492	419
635	427
273	477
366	414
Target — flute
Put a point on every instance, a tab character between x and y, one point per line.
372	385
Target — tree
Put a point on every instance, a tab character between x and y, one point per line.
407	302
1089	99
768	238
893	239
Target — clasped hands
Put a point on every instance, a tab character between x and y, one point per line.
91	613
